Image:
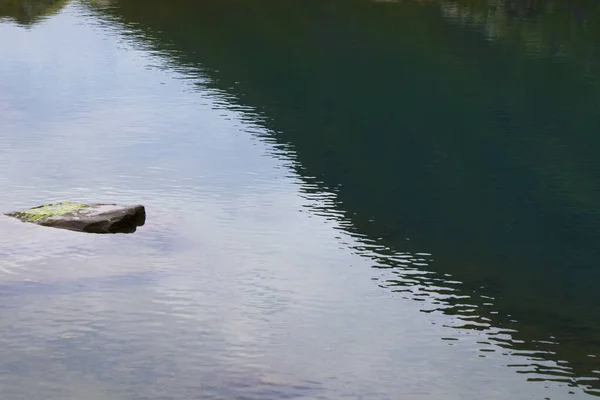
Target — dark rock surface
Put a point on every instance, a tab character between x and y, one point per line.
91	218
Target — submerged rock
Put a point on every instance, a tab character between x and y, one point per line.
91	218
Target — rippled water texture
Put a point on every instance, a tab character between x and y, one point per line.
345	200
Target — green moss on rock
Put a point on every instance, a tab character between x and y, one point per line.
47	211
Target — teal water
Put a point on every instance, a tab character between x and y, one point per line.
346	199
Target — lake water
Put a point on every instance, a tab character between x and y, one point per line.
345	199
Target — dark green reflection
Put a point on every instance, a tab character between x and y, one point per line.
27	12
470	128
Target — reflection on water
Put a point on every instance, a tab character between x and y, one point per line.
560	30
492	185
273	186
27	12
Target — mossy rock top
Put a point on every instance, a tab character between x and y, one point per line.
47	211
91	218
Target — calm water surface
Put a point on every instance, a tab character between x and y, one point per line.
346	200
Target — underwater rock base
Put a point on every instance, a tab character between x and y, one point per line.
90	218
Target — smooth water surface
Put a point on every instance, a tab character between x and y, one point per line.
346	199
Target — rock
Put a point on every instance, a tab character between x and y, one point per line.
91	218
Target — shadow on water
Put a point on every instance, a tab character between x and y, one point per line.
459	139
28	12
